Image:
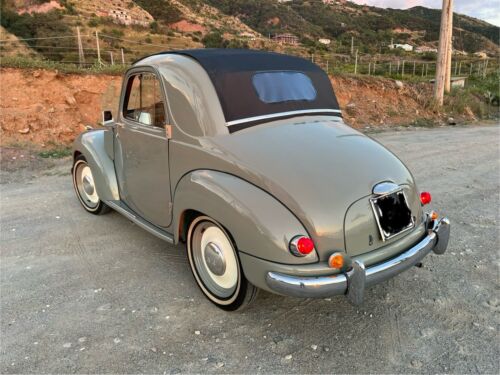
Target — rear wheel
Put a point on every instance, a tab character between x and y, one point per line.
216	267
83	182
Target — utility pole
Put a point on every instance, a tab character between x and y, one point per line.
98	49
444	46
414	67
356	63
81	56
111	58
403	69
352	45
447	82
485	68
123	57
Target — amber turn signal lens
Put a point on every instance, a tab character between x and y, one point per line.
336	261
425	197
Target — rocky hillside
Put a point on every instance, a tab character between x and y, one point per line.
233	23
372	27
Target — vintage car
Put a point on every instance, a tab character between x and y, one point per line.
244	156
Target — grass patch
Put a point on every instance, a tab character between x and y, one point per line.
480	97
56	153
30	63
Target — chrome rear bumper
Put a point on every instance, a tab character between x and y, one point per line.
354	282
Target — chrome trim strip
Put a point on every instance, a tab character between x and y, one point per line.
117	206
282	114
356	280
385	188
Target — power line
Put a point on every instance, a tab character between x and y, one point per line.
49	37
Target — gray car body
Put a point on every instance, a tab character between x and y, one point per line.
310	175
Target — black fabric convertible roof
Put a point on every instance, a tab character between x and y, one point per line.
232	71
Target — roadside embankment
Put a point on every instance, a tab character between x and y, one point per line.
48	108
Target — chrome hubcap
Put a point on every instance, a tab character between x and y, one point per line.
85	185
215	259
88	185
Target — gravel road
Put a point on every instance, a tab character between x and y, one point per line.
90	294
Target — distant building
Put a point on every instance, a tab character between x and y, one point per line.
328	2
458	81
286	39
406	47
454	81
459	53
285	1
425	49
121	16
324	41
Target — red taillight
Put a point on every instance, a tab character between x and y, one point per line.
425	197
301	246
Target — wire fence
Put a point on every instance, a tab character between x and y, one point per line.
102	49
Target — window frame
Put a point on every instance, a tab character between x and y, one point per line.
136	125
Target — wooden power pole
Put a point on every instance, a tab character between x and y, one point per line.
81	55
444	51
447	81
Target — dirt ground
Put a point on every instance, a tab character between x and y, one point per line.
49	109
87	294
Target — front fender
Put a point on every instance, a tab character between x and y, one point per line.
260	225
96	147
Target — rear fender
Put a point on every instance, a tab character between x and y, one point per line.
97	148
260	225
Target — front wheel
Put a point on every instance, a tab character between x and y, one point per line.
216	267
83	182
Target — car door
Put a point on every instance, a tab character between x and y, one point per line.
141	148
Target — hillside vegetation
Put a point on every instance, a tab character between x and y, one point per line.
372	28
184	23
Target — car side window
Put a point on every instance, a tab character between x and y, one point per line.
144	101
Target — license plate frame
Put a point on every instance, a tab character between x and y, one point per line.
377	212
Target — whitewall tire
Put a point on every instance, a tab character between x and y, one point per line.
215	265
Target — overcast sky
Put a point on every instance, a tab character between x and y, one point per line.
488	10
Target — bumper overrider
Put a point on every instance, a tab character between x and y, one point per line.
354	282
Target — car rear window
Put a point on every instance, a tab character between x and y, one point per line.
283	86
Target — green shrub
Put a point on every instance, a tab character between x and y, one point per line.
93	22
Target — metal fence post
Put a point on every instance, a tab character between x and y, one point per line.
98	48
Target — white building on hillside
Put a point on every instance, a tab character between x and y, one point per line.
407	47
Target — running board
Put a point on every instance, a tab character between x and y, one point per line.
129	214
